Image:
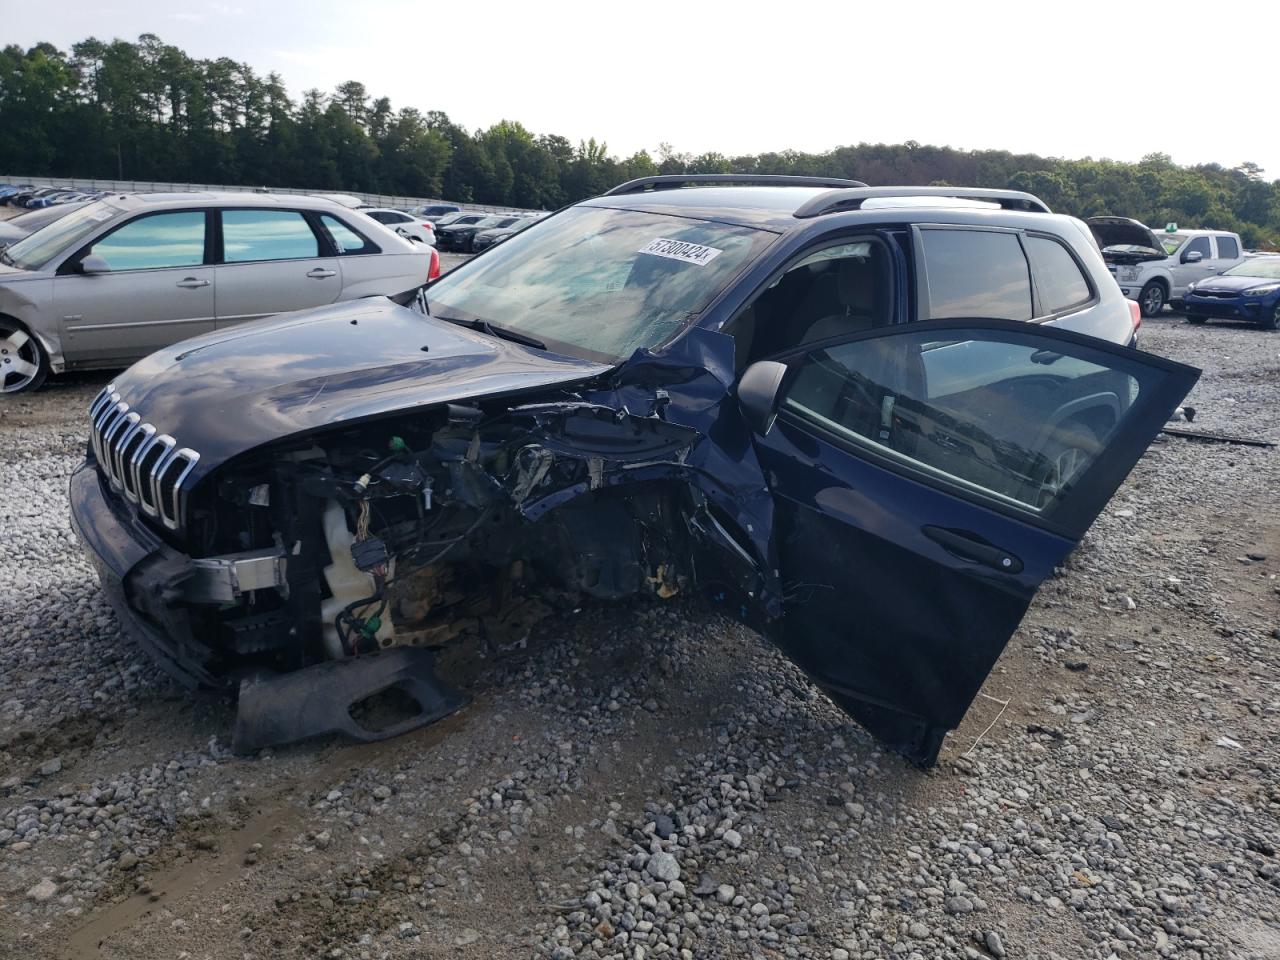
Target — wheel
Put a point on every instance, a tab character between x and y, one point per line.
23	364
1065	457
1272	320
1151	299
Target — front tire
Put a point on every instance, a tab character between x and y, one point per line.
23	362
1272	320
1152	299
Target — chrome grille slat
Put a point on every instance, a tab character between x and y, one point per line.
147	466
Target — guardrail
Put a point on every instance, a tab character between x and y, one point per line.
140	186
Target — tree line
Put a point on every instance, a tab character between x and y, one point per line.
148	111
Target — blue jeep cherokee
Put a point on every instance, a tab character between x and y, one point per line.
866	421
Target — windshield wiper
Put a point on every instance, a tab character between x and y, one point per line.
503	333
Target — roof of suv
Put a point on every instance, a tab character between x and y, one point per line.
782	207
786	208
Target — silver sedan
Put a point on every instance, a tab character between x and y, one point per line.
129	274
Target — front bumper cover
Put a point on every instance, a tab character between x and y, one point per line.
142	577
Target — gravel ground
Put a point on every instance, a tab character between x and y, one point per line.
649	780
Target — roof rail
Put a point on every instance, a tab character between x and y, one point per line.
836	201
672	181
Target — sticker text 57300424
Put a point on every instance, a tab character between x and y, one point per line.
681	250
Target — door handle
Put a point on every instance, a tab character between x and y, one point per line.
192	283
320	273
968	546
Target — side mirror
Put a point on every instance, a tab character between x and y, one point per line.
1192	256
91	263
758	390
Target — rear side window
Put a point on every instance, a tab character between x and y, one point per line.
252	235
345	240
1059	281
1228	249
974	273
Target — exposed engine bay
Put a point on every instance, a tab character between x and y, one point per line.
418	530
379	534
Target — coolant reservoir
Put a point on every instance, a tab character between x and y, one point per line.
347	582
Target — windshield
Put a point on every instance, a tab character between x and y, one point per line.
448	218
599	283
1264	268
64	234
1172	241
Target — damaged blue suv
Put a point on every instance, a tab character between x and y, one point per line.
868	422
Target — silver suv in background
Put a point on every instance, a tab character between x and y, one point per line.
1156	268
128	274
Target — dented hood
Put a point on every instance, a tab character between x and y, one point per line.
233	390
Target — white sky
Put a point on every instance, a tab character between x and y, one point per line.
1071	79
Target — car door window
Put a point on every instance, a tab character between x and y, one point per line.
831	292
154	241
345	239
1198	245
1059	281
990	412
254	235
976	273
1228	249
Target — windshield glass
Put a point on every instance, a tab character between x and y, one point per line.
1264	268
599	283
1172	241
64	234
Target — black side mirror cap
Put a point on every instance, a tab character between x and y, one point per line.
759	389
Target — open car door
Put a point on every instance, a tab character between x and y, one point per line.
926	479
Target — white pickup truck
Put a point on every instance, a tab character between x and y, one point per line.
1155	268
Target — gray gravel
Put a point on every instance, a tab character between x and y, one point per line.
651	781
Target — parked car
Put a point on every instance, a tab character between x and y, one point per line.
434	211
1249	291
821	407
126	275
447	229
407	225
9	190
487	238
1155	269
459	234
25	224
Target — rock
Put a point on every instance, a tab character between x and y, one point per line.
959	905
381	793
323	839
725	893
466	937
995	946
43	891
663	866
664	826
128	860
50	767
733	838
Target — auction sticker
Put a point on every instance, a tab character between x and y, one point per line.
681	250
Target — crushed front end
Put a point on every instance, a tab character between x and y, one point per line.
391	536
